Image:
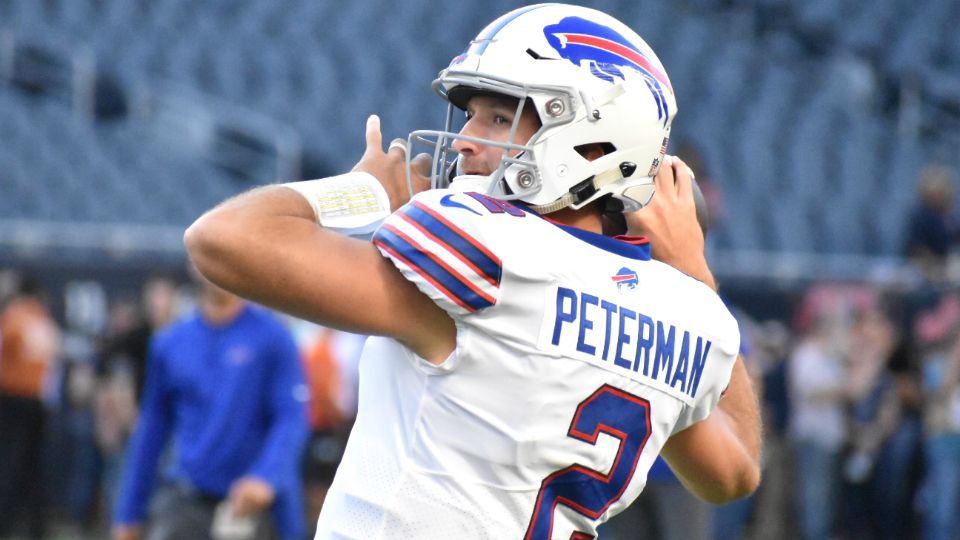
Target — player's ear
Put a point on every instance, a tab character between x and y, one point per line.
592	151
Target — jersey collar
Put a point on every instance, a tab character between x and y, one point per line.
632	247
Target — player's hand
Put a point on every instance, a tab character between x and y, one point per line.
126	532
390	167
669	221
250	495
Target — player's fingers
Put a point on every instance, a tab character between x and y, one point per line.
236	504
664	180
398	147
244	503
421	164
683	178
420	172
374	139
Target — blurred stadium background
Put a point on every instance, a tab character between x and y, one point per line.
125	119
121	121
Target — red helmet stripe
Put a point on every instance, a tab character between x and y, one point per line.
620	50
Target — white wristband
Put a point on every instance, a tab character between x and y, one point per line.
354	204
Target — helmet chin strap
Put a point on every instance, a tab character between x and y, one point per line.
580	192
558	204
470	182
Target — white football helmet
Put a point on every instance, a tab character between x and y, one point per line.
591	79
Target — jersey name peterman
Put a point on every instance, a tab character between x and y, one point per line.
619	338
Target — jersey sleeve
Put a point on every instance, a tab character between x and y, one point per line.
438	244
715	377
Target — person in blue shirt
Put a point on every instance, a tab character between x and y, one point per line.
226	384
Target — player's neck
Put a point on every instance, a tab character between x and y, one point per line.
220	310
588	218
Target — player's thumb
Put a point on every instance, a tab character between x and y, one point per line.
373	136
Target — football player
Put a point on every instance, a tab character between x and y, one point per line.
543	366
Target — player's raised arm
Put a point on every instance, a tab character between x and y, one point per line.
719	458
266	245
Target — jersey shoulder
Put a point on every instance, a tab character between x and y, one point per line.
711	313
722	337
441	241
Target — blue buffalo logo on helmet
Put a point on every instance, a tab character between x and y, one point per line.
606	52
626	279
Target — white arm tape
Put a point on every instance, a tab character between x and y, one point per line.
354	204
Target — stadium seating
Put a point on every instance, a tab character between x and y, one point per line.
149	111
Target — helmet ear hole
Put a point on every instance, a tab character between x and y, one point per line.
594	151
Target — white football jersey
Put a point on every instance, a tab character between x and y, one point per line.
577	357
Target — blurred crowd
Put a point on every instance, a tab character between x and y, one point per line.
860	384
71	388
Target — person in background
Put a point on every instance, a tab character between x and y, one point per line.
932	228
329	419
817	381
121	370
30	351
227	386
938	336
884	430
127	349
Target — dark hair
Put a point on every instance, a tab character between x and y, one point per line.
29	286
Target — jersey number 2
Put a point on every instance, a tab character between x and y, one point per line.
586	491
